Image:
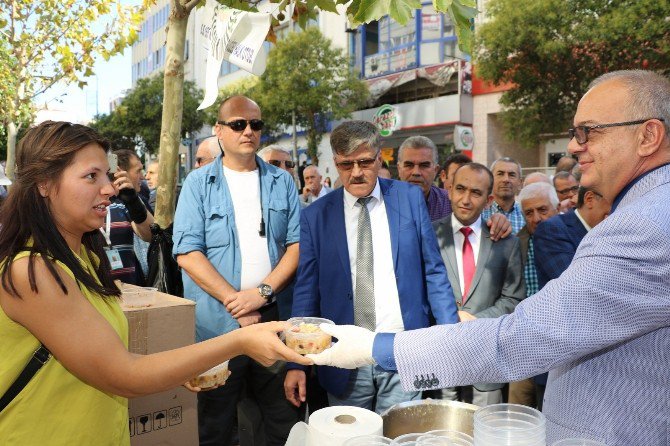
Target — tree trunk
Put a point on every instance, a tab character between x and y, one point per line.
12	131
173	102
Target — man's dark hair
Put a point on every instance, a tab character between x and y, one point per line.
455	158
562	175
479	168
124	157
582	193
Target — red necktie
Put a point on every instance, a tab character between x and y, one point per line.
468	262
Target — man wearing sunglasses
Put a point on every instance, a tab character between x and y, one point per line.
236	235
207	152
601	329
368	256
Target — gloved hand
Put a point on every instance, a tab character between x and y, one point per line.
353	349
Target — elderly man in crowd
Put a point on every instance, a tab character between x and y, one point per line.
566	186
368	256
601	329
314	187
278	156
207	152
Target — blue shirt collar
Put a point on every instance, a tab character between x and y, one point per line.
215	169
630	185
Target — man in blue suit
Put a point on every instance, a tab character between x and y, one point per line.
556	239
368	256
603	326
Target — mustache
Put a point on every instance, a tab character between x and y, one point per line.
358	180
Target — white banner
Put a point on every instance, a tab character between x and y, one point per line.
464	139
232	35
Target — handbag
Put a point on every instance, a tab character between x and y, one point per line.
39	358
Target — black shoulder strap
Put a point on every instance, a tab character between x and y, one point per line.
39	358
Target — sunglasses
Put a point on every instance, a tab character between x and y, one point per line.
573	189
278	163
581	132
240	125
364	163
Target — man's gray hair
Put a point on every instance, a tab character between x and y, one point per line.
648	94
539	190
349	136
312	167
272	148
418	142
506	159
211	144
537	177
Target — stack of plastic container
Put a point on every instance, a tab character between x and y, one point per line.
509	425
434	438
368	440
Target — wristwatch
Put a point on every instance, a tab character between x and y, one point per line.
266	291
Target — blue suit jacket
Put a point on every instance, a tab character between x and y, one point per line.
323	283
555	242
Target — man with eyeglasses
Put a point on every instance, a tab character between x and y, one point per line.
314	188
278	156
236	236
566	186
207	152
602	328
368	256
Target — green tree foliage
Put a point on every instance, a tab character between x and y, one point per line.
551	49
54	41
305	74
136	122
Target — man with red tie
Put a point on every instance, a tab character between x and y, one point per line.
487	277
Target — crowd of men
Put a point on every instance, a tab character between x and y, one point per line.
378	253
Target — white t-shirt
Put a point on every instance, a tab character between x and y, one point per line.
245	193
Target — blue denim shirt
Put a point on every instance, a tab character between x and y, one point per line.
205	222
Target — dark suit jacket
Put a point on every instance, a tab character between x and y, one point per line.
555	242
323	283
498	284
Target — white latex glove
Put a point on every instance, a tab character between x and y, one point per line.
353	349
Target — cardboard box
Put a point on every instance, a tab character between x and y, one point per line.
168	418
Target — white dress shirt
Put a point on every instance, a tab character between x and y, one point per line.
387	302
474	237
579	216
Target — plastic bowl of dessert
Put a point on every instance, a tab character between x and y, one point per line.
138	297
305	336
214	377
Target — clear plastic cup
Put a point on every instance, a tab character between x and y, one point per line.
411	439
216	376
305	335
368	440
138	297
509	425
578	442
445	438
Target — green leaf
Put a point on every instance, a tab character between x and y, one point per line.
324	5
442	5
399	10
464	20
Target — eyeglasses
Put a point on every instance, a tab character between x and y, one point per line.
240	125
203	159
567	190
364	163
581	133
278	163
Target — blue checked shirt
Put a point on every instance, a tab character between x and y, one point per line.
515	216
529	271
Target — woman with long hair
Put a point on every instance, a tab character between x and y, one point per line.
56	290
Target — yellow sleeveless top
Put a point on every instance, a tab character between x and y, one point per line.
56	408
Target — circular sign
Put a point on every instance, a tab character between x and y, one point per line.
386	119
